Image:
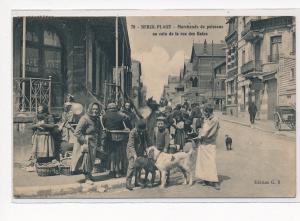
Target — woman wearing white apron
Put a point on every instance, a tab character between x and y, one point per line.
206	168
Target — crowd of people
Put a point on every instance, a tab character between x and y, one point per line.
118	136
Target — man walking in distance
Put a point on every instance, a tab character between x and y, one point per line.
252	109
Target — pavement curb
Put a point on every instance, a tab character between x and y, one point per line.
258	128
41	191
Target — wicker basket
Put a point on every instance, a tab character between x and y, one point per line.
47	170
65	170
119	135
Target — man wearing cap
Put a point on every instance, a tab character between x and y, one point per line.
136	147
206	168
161	135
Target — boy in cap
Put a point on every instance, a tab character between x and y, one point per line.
161	135
136	147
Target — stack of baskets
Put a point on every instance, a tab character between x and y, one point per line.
65	166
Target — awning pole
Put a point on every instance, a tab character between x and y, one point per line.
117	56
23	63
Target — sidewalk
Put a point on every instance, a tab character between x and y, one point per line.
30	185
262	125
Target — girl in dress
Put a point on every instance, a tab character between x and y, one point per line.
43	148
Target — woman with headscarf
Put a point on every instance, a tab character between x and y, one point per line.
43	148
87	132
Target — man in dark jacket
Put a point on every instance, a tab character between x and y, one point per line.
252	109
136	147
113	120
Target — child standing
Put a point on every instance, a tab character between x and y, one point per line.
161	135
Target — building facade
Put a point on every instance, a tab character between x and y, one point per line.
67	55
256	46
170	90
136	93
198	71
219	78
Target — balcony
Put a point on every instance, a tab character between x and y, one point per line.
251	66
29	92
251	31
231	37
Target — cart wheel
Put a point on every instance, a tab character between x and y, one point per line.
291	125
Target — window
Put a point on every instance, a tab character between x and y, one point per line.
275	48
44	59
243	57
194	82
292	74
244	22
294	43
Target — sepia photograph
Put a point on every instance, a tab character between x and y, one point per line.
154	107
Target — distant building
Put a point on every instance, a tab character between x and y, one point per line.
170	90
198	71
219	78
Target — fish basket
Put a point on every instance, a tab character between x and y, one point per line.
65	170
119	135
47	170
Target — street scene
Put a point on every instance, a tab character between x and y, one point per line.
154	107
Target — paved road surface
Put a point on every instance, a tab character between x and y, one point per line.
260	165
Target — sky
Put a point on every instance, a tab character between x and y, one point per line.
161	56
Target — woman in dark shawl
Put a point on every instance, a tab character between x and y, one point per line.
88	133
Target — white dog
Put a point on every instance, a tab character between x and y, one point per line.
166	161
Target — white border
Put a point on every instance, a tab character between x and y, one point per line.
91	13
175	211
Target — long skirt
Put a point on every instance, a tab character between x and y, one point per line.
117	157
206	168
43	145
180	137
83	161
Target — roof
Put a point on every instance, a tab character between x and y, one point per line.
218	49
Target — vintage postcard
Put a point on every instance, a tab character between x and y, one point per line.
127	107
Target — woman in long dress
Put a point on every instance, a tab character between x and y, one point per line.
43	148
88	133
